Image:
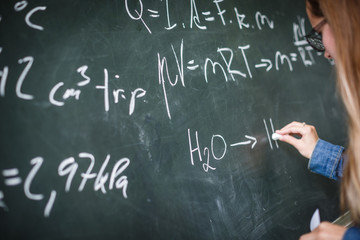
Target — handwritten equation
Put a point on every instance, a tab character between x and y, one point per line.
207	155
198	18
103	180
223	67
169	68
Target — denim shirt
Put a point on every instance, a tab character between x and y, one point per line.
328	159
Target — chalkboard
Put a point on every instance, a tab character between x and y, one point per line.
151	120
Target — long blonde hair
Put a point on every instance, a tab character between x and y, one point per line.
344	20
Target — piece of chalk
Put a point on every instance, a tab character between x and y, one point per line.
276	136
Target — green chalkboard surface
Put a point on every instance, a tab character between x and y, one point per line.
151	119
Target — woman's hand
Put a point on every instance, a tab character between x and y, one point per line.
308	137
325	231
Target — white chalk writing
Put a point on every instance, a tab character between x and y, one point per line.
103	180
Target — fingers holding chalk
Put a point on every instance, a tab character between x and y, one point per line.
302	136
276	136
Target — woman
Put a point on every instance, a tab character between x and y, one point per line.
337	24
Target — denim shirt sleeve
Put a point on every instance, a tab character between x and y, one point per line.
352	234
327	159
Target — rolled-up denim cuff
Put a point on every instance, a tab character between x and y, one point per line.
325	159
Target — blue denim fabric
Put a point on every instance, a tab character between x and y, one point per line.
327	159
352	234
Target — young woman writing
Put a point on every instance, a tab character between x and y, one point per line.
336	32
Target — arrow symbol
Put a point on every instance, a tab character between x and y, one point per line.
265	63
246	142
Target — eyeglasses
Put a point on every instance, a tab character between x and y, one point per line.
315	39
